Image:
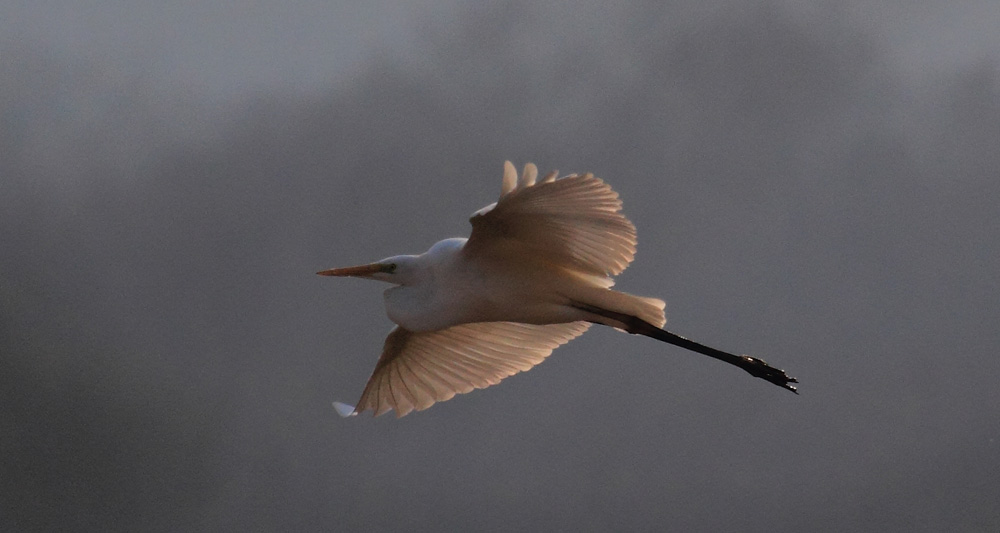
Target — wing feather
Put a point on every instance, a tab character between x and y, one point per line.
418	369
573	221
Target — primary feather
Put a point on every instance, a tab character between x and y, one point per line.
509	295
574	221
418	369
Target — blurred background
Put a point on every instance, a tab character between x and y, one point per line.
814	183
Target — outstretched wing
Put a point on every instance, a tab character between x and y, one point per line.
573	221
418	369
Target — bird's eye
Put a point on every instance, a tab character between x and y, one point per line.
390	268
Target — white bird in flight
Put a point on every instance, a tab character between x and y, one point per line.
534	274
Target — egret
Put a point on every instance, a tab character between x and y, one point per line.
535	273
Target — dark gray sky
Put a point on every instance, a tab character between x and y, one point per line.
813	184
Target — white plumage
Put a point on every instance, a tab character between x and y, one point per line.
534	274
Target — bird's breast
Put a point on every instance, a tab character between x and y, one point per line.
462	291
426	308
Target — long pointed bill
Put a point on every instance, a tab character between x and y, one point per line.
362	271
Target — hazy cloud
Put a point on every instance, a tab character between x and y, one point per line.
169	358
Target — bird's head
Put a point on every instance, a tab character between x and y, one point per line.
391	269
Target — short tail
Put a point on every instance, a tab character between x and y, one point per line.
649	310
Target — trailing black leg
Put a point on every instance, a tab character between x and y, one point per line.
756	367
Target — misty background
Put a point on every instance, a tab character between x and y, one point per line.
814	183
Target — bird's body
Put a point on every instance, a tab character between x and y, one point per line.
535	273
454	286
476	291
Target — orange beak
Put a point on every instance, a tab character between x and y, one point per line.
355	271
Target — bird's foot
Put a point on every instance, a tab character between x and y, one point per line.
759	368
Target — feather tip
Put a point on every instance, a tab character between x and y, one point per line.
344	410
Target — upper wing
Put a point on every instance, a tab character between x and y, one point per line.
574	221
418	369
